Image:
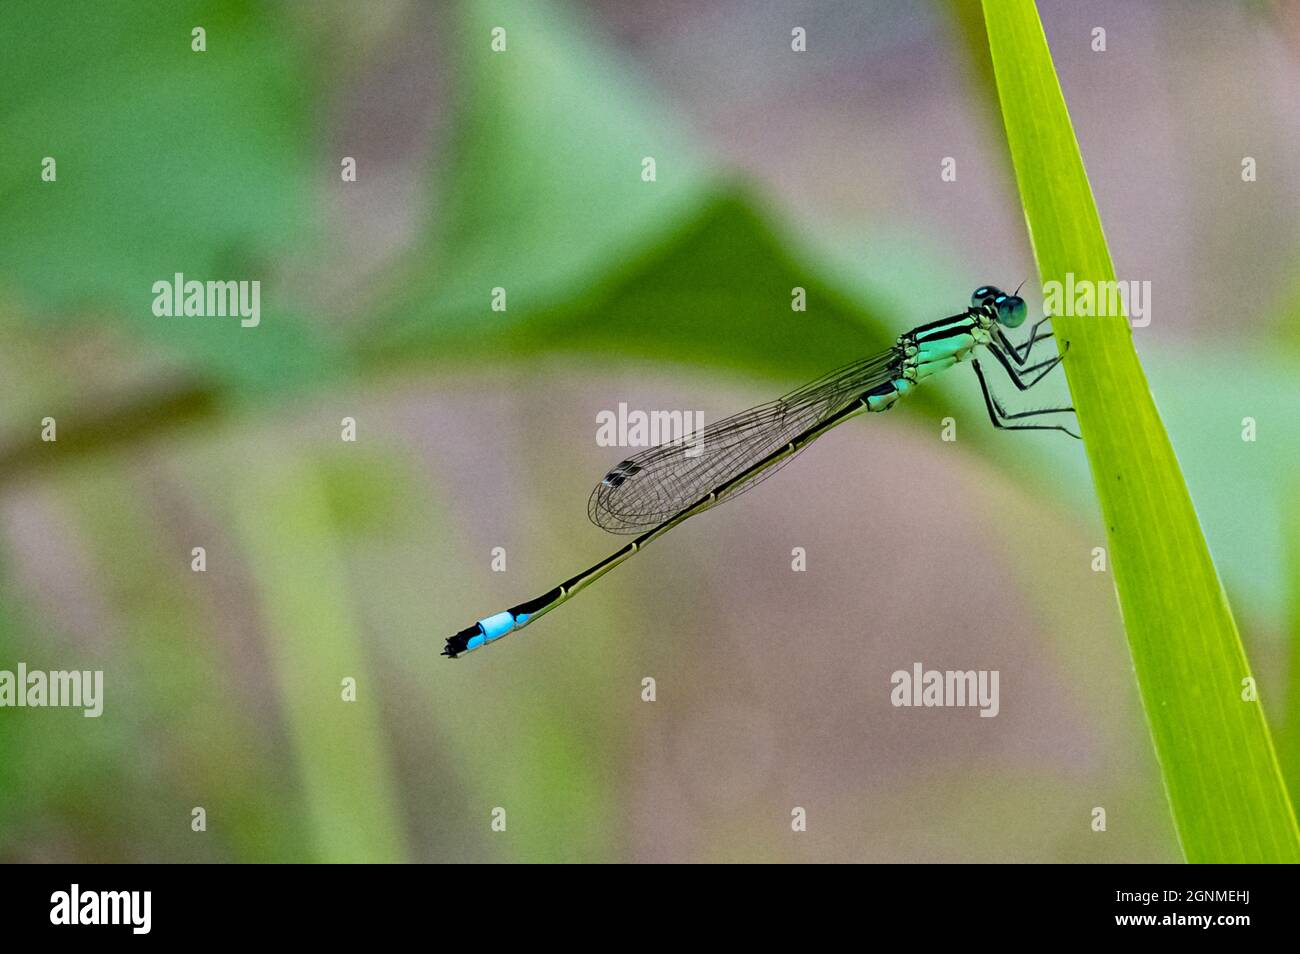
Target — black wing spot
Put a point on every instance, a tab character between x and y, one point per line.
621	472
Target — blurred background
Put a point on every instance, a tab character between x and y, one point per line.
329	560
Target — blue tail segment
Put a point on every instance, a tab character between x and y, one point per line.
494	627
483	632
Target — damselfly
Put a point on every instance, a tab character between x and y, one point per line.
659	488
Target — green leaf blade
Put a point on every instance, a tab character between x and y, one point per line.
1225	788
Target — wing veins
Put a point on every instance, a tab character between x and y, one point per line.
657	483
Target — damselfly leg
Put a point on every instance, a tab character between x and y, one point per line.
1019	353
998	415
1017	375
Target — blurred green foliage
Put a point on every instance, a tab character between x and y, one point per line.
168	161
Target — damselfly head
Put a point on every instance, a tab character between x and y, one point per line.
984	295
1010	310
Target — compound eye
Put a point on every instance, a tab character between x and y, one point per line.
1012	310
984	295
